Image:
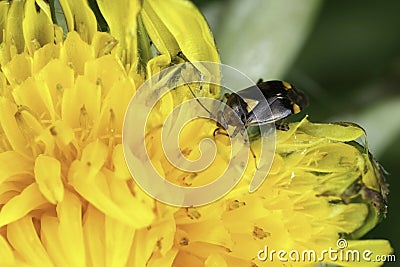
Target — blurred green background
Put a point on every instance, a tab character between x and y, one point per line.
344	54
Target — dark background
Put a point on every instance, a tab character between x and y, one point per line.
349	66
352	62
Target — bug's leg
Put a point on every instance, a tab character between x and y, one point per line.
246	142
219	130
282	126
254	156
221	124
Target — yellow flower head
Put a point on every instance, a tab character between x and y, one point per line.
67	197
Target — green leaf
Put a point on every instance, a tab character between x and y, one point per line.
261	37
380	123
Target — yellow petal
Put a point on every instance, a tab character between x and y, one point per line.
35	95
79	18
105	71
359	253
162	39
14	34
121	169
6	252
334	157
157	239
18	69
51	240
55	82
76	52
70	229
24	239
347	218
140	253
166	260
104	44
4	6
335	131
48	177
94	232
81	104
37	25
94	156
118	241
44	55
121	18
12	163
8	190
188	259
371	173
29	199
201	232
63	133
3	85
111	196
188	27
215	260
159	34
117	90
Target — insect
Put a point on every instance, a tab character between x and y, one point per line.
283	100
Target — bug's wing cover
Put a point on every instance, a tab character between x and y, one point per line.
264	114
280	110
259	115
252	92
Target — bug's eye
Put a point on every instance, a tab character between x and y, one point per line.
298	97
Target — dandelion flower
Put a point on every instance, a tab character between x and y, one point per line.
66	195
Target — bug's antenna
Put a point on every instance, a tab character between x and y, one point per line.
198	101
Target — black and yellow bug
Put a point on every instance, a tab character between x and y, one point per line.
283	100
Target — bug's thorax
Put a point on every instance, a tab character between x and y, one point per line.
235	106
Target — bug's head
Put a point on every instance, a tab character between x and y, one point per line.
298	99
